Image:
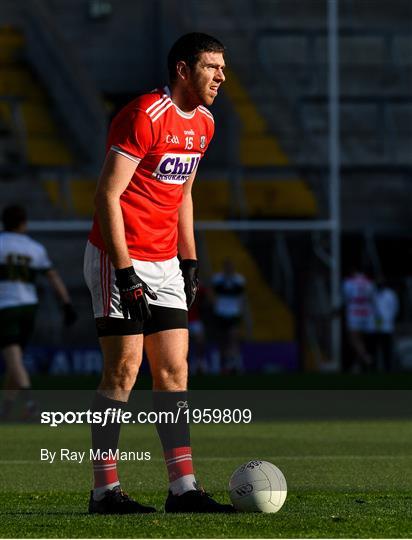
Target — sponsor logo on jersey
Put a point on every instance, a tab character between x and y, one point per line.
174	139
176	168
202	141
189	132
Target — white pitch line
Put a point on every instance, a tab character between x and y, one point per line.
237	458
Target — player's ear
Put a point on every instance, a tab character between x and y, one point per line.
182	70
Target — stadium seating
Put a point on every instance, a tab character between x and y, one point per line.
278	87
278	50
78	195
281	198
212	200
11	45
44	145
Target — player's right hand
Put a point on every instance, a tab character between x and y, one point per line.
133	292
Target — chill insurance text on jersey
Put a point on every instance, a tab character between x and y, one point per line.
167	144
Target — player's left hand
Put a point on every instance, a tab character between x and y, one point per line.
190	270
69	314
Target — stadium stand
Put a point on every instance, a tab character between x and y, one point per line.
269	157
278	50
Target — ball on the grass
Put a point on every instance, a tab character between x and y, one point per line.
258	486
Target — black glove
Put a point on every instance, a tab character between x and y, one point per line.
69	314
133	292
190	270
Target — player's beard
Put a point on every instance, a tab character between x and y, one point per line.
206	98
201	93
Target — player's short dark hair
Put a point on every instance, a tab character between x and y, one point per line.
188	47
13	216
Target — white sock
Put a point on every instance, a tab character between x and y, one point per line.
99	492
183	484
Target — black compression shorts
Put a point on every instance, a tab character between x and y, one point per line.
163	318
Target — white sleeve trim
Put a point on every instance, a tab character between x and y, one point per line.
125	154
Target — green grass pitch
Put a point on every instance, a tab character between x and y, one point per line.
345	479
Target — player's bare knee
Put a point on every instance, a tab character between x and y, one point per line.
117	385
172	378
121	376
122	383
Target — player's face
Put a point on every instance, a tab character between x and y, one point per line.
206	76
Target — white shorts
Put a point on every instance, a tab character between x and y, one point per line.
164	277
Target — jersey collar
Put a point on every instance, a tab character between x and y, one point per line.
184	114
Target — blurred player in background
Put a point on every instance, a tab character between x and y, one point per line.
229	311
144	219
386	311
21	259
359	303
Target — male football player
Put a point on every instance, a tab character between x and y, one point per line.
229	311
359	301
140	292
21	260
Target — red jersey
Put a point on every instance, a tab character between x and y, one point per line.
167	144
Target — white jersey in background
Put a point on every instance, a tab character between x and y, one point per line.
387	307
21	258
359	294
229	292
